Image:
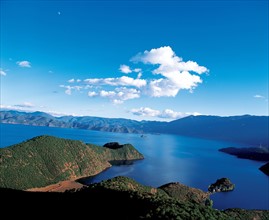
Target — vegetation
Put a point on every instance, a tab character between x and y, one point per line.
221	185
184	193
46	160
123	198
252	153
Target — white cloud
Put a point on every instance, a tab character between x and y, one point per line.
139	75
121	81
173	75
25	105
145	111
92	94
125	69
166	113
71	80
137	70
69	89
24	63
118	96
259	96
176	72
2	72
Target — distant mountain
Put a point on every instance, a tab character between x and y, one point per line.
45	160
247	129
87	122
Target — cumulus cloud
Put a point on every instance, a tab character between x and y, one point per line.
165	114
125	69
24	63
25	105
2	72
121	81
170	74
175	71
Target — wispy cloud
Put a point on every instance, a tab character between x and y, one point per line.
165	114
121	81
24	63
69	89
2	72
259	97
25	105
71	80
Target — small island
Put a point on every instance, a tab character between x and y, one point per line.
221	185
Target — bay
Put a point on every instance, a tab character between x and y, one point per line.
169	158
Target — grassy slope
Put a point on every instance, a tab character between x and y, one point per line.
45	160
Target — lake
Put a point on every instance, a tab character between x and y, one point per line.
169	158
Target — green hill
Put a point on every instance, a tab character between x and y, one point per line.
124	198
46	160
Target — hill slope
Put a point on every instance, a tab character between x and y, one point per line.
46	160
247	129
124	198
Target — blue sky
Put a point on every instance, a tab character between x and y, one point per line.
143	60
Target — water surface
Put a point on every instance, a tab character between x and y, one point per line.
169	158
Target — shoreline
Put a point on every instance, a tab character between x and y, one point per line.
61	186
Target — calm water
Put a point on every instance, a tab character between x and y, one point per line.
170	158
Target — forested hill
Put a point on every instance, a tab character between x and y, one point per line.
45	160
247	129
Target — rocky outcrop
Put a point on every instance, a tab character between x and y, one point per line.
221	185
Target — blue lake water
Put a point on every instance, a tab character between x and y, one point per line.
169	158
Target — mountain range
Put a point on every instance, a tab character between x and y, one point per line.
247	129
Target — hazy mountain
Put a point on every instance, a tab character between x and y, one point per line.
247	129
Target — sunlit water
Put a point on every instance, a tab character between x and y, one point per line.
170	158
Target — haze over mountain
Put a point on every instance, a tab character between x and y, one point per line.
246	129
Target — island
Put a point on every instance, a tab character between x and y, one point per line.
221	185
47	160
